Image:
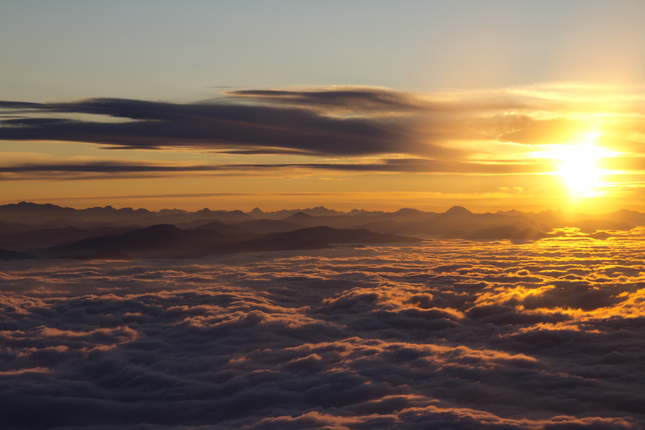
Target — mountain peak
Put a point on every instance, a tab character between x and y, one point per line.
320	211
299	216
32	205
458	210
408	211
256	212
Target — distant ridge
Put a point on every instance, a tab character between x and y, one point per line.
299	217
34	228
7	255
408	211
167	241
332	235
318	211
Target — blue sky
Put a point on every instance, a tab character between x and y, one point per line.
176	50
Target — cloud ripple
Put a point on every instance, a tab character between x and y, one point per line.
451	334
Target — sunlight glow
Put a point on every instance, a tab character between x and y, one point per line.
579	165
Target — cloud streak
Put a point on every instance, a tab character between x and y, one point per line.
79	170
154	125
338	121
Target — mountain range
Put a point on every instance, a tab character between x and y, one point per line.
31	230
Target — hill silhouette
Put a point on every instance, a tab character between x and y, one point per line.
331	235
7	255
168	241
46	230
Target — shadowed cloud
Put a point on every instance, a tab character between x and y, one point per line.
154	125
348	121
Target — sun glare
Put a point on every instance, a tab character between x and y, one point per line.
578	166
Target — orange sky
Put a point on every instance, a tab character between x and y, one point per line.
437	105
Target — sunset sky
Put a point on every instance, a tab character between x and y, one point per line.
295	317
491	105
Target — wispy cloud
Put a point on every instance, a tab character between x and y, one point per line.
107	169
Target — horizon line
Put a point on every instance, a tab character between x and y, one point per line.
321	206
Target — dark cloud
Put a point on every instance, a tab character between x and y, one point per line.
154	125
108	169
351	338
345	121
6	104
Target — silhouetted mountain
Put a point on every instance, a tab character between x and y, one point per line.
257	213
165	212
512	212
285	213
236	214
355	221
389	226
358	212
12	227
409	215
267	243
110	254
109	212
60	231
458	221
31	213
301	218
332	235
202	216
505	232
322	211
34	213
7	255
222	228
627	217
311	238
157	241
458	211
167	241
57	236
265	226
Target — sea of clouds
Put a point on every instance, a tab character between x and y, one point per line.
447	334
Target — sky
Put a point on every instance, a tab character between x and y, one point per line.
493	105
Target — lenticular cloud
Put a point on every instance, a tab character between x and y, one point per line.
445	334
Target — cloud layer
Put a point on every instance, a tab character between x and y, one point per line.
456	334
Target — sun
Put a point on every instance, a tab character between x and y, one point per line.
578	165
